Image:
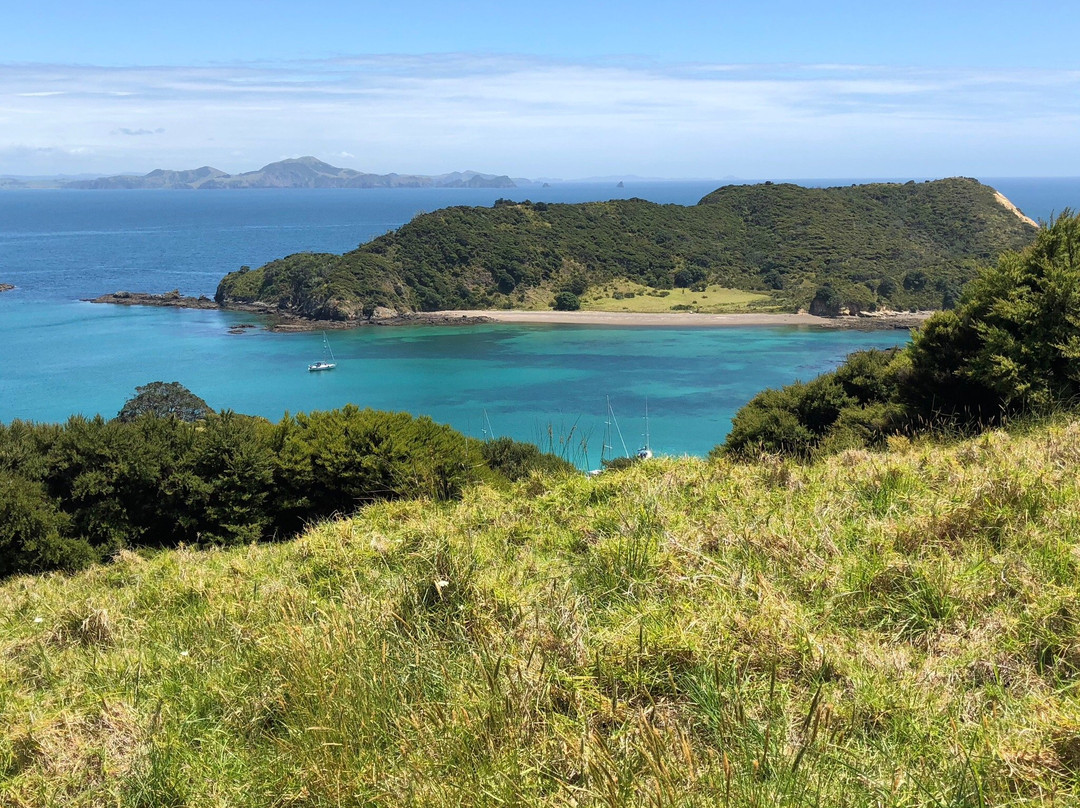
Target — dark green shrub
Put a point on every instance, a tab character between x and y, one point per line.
566	301
826	302
32	531
515	460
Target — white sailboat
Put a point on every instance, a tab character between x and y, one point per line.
328	362
607	439
645	452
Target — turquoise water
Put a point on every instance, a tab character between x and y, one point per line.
79	357
59	356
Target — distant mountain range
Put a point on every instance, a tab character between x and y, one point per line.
301	172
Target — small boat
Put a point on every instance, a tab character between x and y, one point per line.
645	452
604	462
328	362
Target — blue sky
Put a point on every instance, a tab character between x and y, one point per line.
681	89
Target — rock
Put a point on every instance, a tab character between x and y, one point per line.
6	287
171	299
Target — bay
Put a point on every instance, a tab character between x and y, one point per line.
547	384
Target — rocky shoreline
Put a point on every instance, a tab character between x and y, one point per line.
171	299
282	321
278	320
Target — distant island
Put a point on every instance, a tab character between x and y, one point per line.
300	172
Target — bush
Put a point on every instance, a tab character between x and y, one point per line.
1013	343
516	460
566	301
826	302
78	493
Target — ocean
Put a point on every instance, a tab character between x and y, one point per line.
546	384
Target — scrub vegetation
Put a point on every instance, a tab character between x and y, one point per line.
1011	348
169	471
909	246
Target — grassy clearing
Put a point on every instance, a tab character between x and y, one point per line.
633	297
895	629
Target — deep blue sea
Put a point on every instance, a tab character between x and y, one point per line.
60	356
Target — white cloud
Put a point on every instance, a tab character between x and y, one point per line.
529	116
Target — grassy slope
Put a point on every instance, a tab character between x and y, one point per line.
890	630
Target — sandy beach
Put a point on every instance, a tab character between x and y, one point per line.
685	319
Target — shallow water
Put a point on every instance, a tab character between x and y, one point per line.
60	356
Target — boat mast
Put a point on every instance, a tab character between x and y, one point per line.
611	413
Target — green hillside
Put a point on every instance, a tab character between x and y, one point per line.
894	629
880	245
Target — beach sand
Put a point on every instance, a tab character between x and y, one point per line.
689	319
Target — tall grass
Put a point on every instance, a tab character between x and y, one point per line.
892	629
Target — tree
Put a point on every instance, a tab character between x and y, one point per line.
826	302
567	301
165	400
1013	343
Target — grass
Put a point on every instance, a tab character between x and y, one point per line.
713	299
894	629
637	298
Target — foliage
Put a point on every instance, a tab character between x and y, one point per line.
516	460
876	629
1011	347
1013	343
784	240
842	405
86	490
165	400
826	302
566	301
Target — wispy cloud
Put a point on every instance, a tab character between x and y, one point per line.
528	115
123	130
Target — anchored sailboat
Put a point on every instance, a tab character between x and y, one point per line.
328	362
604	461
645	452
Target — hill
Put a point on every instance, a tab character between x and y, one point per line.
302	172
876	629
878	245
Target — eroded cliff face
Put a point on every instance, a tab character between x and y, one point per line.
1006	203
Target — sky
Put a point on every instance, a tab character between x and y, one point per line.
556	89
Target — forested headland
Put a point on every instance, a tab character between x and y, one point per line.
897	246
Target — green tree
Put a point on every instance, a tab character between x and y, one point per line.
826	302
165	400
567	301
1013	343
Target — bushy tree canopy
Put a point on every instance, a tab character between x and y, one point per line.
165	400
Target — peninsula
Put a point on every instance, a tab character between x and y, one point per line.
743	248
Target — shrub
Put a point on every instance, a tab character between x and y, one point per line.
826	302
566	301
515	460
